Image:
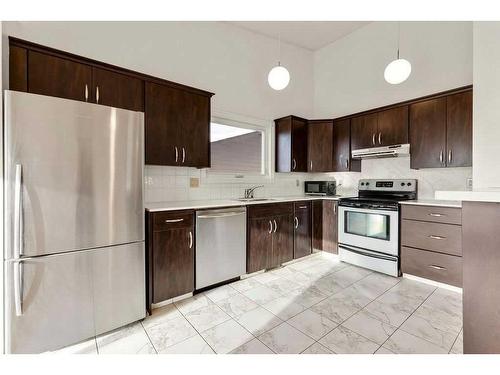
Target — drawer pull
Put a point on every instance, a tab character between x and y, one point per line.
436	267
436	237
302	206
174	220
436	215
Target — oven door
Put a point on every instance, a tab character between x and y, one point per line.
376	230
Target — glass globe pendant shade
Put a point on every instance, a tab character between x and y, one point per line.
397	71
278	77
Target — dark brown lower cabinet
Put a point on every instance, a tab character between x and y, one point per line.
302	235
324	221
170	254
481	277
269	236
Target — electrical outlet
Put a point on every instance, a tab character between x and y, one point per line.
194	182
297	183
469	184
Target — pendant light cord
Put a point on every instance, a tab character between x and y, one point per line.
399	35
279	49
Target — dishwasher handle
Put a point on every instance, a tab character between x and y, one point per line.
225	214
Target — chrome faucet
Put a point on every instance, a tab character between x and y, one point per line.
249	192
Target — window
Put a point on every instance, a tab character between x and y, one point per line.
240	149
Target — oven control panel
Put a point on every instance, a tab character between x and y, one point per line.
389	185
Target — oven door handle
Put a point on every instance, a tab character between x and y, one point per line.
370	254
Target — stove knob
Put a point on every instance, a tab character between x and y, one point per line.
362	184
409	184
402	184
367	183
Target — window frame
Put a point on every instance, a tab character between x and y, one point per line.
267	129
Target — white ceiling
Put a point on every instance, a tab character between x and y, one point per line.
311	35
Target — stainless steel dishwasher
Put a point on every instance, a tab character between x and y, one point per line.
220	245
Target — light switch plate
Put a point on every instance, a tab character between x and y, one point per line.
194	182
469	184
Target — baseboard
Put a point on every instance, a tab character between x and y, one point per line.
432	282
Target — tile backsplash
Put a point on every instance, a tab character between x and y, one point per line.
173	183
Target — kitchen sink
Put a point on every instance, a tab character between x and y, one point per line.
255	199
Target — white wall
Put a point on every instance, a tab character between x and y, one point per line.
349	73
486	115
216	56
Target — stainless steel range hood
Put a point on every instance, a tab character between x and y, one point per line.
382	152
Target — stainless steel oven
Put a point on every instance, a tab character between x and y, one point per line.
368	225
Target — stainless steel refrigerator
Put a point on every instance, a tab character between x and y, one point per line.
74	221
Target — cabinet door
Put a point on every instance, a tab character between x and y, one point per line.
428	134
54	76
163	125
317	225
283	144
302	238
364	131
459	130
282	240
342	161
299	145
173	263
259	246
330	231
320	144
392	126
117	90
194	119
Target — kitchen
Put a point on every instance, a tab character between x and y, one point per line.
339	214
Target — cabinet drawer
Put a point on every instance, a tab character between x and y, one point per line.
172	219
265	210
434	266
435	214
300	206
443	238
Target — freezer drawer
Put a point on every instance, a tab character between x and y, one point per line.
220	245
58	300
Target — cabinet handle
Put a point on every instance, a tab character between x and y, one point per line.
275	226
373	138
441	157
296	220
380	138
18	287
97	94
174	220
270	227
86	92
190	239
176	154
334	209
449	156
302	206
183	155
294	164
436	237
436	215
347	164
436	267
311	163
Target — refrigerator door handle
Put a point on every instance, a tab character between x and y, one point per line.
18	282
18	214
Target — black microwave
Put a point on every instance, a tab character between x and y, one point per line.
320	187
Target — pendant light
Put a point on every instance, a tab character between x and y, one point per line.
397	71
278	78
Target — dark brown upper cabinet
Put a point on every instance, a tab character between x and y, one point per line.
117	90
55	76
291	144
341	159
18	68
320	145
177	127
364	131
384	128
459	130
441	132
392	126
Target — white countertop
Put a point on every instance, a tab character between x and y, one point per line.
433	202
219	203
480	196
